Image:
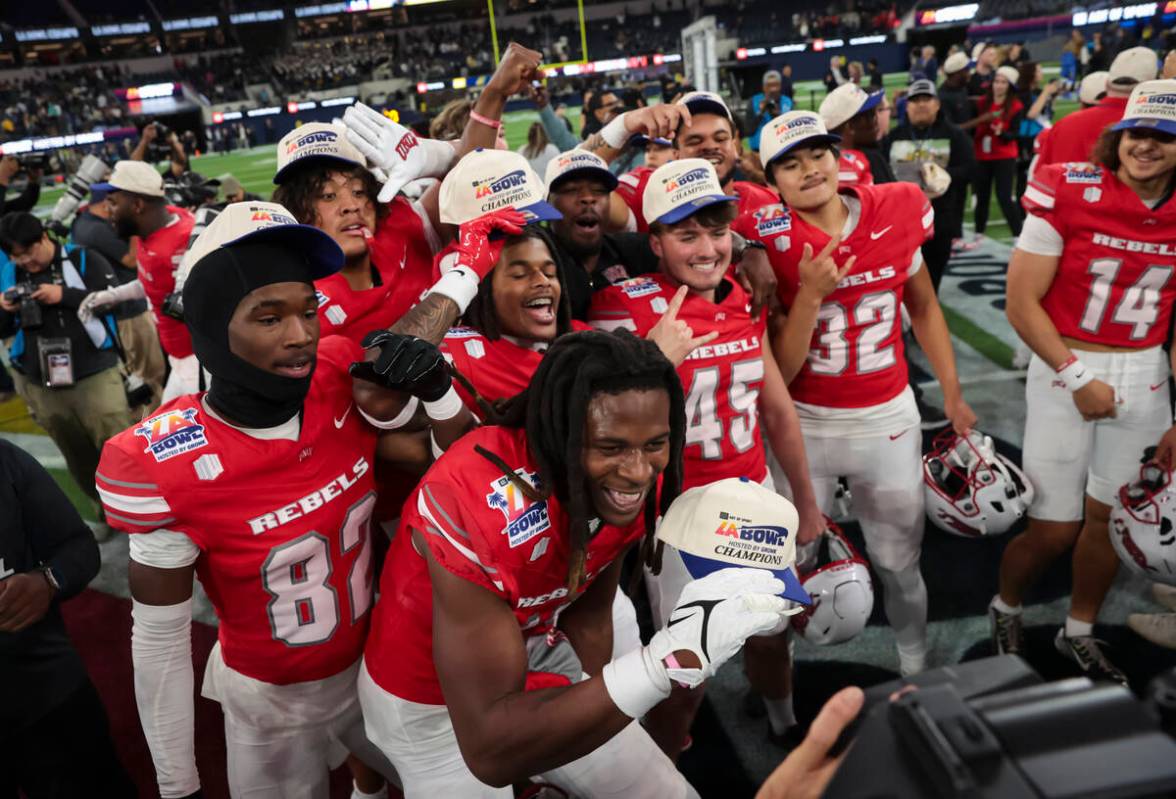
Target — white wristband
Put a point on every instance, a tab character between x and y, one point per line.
615	134
459	284
1075	375
635	683
447	407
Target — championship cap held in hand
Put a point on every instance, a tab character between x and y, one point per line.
316	140
138	177
791	130
1152	104
490	180
677	189
261	221
735	522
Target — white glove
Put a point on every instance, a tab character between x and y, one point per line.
395	150
103	301
936	180
713	617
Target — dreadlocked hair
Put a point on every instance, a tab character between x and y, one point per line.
481	314
553	410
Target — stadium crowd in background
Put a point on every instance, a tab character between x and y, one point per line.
410	418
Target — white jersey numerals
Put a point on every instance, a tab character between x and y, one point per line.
304	606
875	314
703	425
1139	306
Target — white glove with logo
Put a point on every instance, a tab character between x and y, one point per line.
936	180
399	155
99	302
713	617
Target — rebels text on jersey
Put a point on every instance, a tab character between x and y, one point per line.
480	527
1114	282
158	258
632	190
282	526
497	369
722	380
856	358
402	254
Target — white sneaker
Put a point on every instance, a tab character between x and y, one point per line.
1164	594
1159	628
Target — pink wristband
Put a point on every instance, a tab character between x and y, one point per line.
487	121
672	663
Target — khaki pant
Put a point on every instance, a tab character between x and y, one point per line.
144	356
79	419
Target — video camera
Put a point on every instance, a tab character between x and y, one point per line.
190	190
993	728
21	294
33	160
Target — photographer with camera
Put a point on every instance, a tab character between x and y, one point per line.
159	142
10	167
66	371
92	228
766	106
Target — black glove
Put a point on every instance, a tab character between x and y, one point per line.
405	363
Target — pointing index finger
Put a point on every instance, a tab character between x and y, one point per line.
675	303
829	248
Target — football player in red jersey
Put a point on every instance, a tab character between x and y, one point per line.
730	380
474	675
840	349
701	126
283	555
1091	291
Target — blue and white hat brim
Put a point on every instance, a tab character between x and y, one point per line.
1163	125
541	211
693	206
700	567
325	256
808	141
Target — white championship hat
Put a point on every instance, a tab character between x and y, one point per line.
847	101
1011	74
791	130
316	140
735	522
1152	105
677	189
262	221
1092	86
1133	65
705	102
490	180
578	163
138	177
955	62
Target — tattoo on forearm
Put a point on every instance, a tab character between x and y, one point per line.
428	319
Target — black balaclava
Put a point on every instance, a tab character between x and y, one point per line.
215	287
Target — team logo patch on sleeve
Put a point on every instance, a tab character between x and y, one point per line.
772	219
461	332
524	519
172	433
639	287
1083	173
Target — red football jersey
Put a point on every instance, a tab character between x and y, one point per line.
856	356
402	254
632	190
282	526
1114	281
480	527
497	369
722	380
159	255
1074	135
853	169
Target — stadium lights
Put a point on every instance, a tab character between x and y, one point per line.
789	48
1105	15
293	107
190	23
150	91
336	101
46	34
827	44
249	17
121	29
939	16
264	112
859	40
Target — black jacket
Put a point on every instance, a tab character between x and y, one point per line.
622	256
61	320
39	667
25	201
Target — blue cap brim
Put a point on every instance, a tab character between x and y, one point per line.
695	205
700	567
609	179
281	174
821	138
641	140
98	191
324	254
872	100
540	212
1162	125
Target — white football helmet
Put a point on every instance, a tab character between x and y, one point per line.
842	592
1143	524
970	488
